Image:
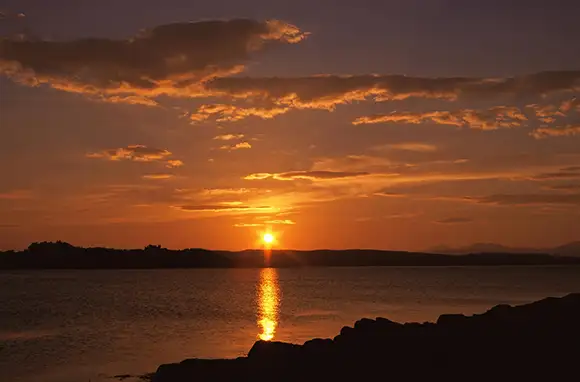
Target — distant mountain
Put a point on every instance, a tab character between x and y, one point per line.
62	255
570	249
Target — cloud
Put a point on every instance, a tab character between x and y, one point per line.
225	208
566	131
454	220
564	187
328	91
564	173
549	113
138	153
258	176
16	195
157	176
237	146
173	163
133	100
528	199
306	175
281	222
389	194
228	137
4	15
227	191
352	163
490	119
246	225
174	59
232	113
412	146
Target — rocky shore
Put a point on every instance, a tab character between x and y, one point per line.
536	341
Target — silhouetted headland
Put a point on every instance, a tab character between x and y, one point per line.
537	341
60	255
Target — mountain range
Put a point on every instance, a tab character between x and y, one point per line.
570	249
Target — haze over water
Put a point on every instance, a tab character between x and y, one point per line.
70	326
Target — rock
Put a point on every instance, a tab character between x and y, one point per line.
364	324
528	342
452	320
273	351
200	369
346	330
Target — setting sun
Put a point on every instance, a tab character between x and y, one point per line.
268	238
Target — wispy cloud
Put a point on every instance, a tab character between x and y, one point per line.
247	225
138	153
490	119
527	199
237	146
409	146
225	208
305	175
228	137
454	220
16	194
564	173
265	223
564	187
159	176
566	131
233	113
280	222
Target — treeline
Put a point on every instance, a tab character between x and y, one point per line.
61	255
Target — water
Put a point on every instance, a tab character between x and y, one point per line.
73	326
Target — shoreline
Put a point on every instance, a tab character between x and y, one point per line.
523	341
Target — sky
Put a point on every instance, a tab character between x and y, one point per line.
381	124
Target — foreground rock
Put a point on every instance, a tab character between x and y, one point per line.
537	341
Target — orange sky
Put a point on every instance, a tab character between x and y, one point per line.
204	133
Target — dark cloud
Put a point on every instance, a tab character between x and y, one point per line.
306	175
327	91
528	199
169	59
454	220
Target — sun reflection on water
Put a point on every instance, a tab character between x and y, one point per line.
268	303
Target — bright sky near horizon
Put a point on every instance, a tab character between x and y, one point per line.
336	124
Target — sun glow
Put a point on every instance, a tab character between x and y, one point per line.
268	238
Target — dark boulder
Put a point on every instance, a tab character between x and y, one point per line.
537	341
273	351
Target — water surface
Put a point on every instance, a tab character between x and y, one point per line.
71	326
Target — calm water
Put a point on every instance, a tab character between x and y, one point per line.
73	326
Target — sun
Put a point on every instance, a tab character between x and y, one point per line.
268	238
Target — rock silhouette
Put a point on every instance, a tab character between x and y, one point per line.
536	341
